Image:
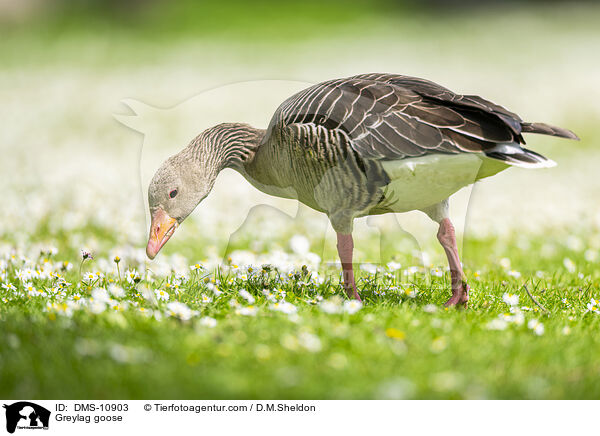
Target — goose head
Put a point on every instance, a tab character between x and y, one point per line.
178	186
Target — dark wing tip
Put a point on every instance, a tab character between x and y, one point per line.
546	129
572	135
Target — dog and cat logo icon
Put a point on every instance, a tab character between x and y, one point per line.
26	415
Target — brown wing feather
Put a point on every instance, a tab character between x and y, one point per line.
387	116
444	96
546	129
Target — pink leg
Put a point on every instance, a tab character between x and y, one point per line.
460	289
345	245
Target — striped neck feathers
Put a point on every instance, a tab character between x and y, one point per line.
227	145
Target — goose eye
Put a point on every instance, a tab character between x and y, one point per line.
173	193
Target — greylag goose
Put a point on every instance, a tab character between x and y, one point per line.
363	145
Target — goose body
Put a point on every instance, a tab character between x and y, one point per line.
364	145
414	183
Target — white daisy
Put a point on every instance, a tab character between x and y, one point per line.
205	299
510	299
215	290
331	306
309	341
393	266
116	291
247	296
497	324
437	272
369	268
299	244
569	265
132	276
285	307
207	321
161	295
180	310
9	287
352	306
101	295
97	306
247	311
513	273
505	263
536	326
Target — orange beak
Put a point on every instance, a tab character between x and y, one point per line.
161	229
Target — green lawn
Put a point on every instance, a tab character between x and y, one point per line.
304	339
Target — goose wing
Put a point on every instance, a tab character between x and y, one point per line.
389	117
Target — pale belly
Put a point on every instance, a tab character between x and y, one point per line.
418	183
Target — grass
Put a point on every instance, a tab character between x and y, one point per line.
300	338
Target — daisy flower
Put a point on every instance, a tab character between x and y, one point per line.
369	268
116	291
97	306
207	321
9	287
100	295
510	299
299	244
536	326
285	307
23	275
352	306
132	276
310	342
31	290
411	270
410	292
161	295
179	310
247	296
513	273
437	272
205	299
591	307
497	324
331	306
393	266
569	265
215	290
247	311
505	263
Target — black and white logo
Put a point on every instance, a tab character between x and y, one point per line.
26	415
